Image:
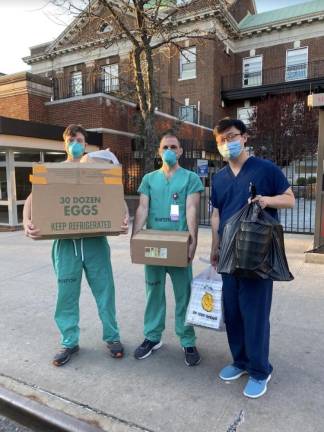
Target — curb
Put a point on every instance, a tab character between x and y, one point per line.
29	409
314	258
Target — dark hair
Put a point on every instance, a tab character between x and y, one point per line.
227	123
73	129
170	133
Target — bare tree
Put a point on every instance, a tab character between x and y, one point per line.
147	26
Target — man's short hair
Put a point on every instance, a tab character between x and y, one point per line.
170	134
227	123
73	129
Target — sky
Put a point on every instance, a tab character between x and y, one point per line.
24	23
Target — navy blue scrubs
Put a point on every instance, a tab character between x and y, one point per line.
247	302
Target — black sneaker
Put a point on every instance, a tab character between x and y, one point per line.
64	355
146	349
192	357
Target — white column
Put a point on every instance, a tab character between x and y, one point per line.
319	215
11	187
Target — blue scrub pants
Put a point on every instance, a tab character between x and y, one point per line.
247	305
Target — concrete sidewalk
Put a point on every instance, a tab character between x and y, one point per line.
160	393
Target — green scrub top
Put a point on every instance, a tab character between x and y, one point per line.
163	192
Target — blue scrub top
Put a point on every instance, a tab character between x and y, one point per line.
230	193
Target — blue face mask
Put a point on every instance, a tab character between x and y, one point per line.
75	149
169	157
231	150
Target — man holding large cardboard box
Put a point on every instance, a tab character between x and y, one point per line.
169	201
70	257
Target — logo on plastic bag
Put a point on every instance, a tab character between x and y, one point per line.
207	302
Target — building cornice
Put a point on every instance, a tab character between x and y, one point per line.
57	52
219	12
281	25
24	76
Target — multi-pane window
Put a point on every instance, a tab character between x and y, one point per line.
76	84
188	63
110	78
296	64
188	113
246	114
252	71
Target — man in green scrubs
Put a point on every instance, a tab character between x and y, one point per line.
169	201
70	257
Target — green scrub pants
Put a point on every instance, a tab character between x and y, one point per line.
70	257
154	318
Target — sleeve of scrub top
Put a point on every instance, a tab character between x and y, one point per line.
144	187
195	184
280	182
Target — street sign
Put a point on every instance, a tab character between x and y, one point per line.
202	167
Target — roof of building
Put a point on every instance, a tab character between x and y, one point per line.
18	127
282	14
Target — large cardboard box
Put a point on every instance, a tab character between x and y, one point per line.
71	200
161	248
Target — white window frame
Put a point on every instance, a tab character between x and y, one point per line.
75	87
245	61
188	108
251	109
183	60
287	78
110	80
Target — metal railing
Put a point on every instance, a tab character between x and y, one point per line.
278	75
184	112
298	165
79	84
72	85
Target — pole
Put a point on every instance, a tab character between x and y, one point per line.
319	215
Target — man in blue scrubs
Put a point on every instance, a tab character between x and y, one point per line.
247	302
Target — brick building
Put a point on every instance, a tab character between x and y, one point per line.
77	77
256	55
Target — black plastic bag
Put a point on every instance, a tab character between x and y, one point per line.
252	246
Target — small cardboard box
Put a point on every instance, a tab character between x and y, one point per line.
71	200
161	248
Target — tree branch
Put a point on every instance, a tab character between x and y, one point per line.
121	24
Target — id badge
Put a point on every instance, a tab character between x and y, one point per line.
174	212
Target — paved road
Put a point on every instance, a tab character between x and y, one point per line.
7	425
159	394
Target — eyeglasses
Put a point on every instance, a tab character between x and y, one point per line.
170	147
228	138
